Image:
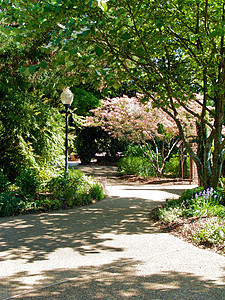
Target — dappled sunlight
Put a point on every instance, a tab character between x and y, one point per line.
69	239
72	228
118	280
110	249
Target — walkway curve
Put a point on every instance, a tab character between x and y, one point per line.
109	250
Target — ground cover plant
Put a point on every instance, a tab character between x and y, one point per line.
197	216
30	193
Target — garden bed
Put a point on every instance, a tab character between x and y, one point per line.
185	229
155	180
196	217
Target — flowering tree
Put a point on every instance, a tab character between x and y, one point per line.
129	119
172	48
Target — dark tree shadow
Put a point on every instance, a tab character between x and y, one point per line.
118	281
87	231
34	236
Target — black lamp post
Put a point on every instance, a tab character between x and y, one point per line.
67	99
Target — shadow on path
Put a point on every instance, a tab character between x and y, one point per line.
117	281
109	250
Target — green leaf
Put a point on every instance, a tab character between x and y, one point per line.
32	69
126	36
43	65
23	69
98	50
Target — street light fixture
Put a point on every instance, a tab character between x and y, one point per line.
67	99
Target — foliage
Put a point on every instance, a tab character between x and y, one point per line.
29	195
130	120
135	162
138	166
212	233
28	182
195	202
75	190
204	207
205	203
10	204
84	101
173	166
4	182
177	53
31	131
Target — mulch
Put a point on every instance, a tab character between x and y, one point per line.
154	180
185	228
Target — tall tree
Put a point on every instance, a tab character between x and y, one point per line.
31	130
169	49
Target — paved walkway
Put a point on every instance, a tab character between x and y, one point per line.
109	250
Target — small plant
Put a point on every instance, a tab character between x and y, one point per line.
58	193
173	166
11	204
193	203
204	203
4	182
28	182
169	214
208	226
212	233
75	190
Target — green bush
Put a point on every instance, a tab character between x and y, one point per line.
173	168
28	182
195	202
189	194
58	193
135	162
205	203
77	189
4	182
10	204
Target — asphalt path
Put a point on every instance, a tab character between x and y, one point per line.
108	250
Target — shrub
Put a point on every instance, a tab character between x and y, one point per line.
170	214
195	202
205	203
89	191
135	166
59	192
173	168
10	204
28	182
4	182
75	190
135	163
